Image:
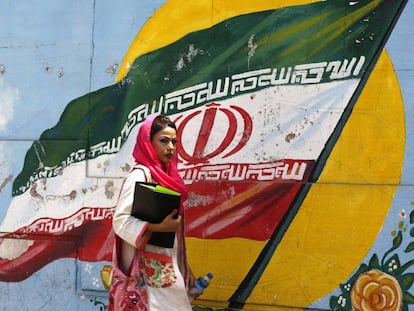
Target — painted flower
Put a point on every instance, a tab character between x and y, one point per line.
376	290
382	284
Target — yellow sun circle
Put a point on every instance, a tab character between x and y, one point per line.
342	214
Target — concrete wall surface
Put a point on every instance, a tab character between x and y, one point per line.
295	142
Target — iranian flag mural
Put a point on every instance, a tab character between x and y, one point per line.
259	100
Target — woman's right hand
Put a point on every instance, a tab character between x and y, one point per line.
169	223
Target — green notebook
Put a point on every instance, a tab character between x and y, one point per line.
160	189
153	202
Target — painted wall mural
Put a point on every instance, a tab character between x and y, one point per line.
293	143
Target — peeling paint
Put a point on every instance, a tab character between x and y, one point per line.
110	189
112	69
126	167
289	137
188	57
13	248
252	49
5	182
48	68
60	72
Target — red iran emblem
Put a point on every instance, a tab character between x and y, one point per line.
216	131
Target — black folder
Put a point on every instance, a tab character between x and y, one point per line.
152	203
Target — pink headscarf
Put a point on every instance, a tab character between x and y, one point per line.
144	154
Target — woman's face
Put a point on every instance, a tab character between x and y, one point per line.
163	143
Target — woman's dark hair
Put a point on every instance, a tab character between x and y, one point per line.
160	123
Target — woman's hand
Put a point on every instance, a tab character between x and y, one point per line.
169	224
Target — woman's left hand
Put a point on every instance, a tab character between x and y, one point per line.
169	223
